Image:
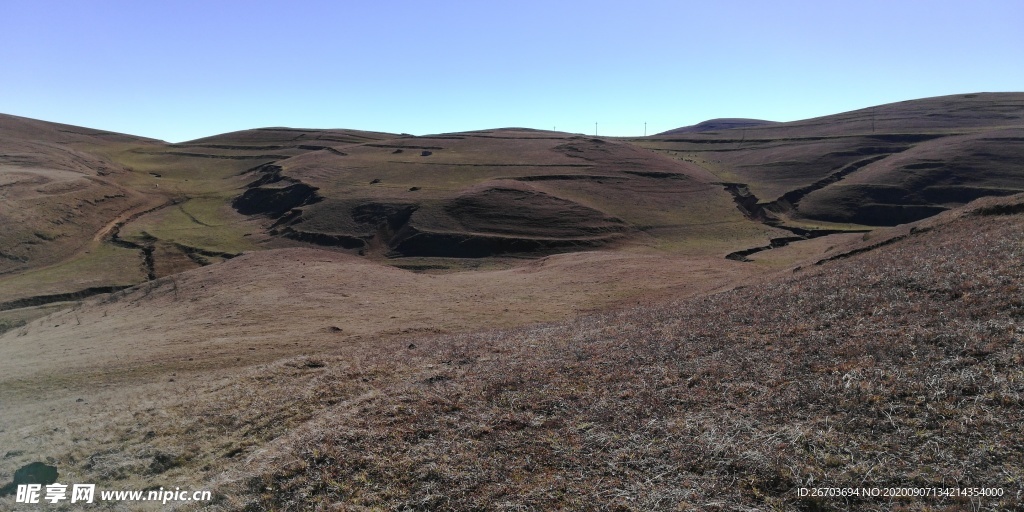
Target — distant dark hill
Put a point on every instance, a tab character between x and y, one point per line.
941	115
929	177
877	166
286	137
713	125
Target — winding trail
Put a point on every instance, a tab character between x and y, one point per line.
125	217
107	234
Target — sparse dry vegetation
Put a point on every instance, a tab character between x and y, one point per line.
899	367
456	343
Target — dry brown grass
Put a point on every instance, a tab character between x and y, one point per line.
302	379
183	381
877	166
898	367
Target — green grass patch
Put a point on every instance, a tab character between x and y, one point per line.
103	265
205	223
7	324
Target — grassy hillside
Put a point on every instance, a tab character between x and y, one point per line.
86	210
497	192
894	361
56	193
521	319
879	166
714	125
96	211
846	374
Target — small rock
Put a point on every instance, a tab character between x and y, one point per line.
34	473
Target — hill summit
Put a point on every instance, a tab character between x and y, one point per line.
714	125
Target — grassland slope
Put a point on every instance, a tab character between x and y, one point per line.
86	211
57	190
897	366
878	166
373	394
488	193
714	125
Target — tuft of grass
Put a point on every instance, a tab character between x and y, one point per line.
8	324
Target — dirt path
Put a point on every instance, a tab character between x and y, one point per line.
128	216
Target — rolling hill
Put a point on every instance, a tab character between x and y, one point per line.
714	125
87	210
878	166
482	194
705	319
170	207
56	191
301	378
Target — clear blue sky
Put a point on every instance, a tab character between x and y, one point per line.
178	70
